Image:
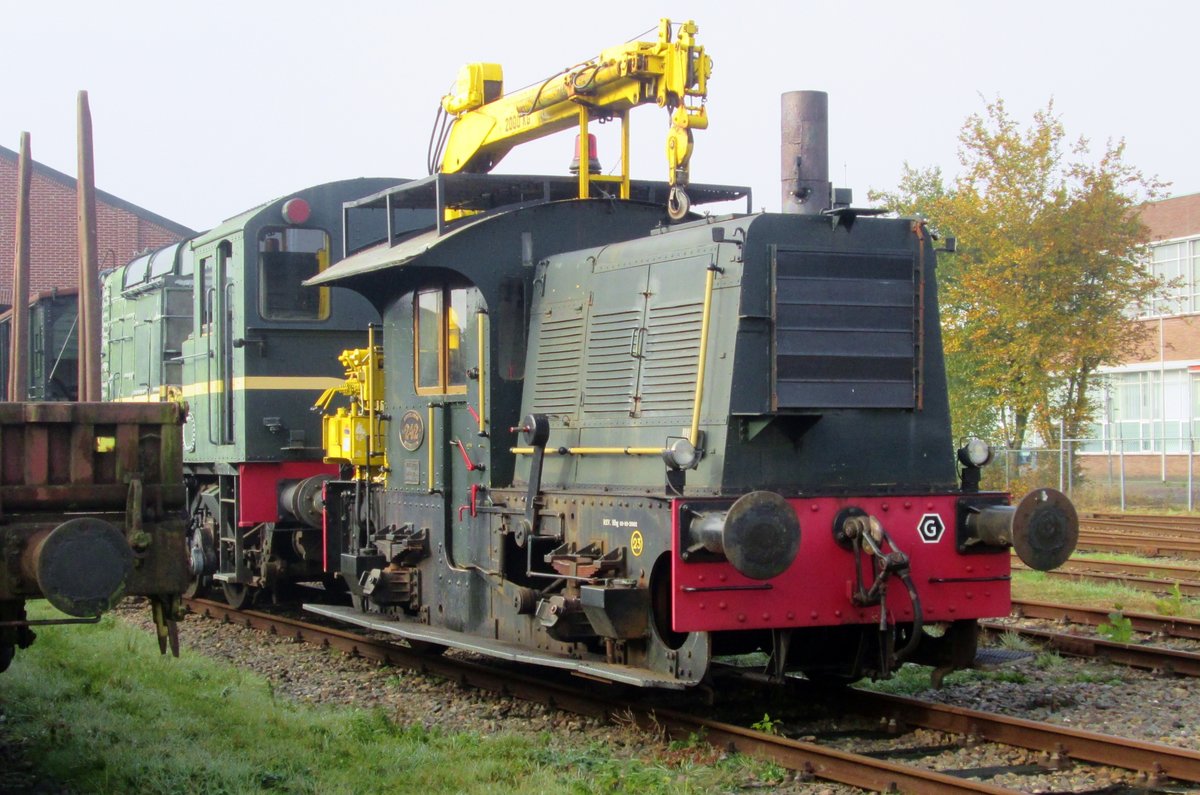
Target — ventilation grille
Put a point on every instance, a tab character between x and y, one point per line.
669	371
611	365
844	330
556	382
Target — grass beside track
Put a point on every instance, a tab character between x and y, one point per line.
96	708
1037	586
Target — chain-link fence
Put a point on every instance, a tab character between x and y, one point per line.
1131	474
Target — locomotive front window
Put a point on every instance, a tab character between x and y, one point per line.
286	257
438	332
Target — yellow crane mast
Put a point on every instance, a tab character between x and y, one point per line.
670	72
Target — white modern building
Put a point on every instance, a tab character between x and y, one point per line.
1150	405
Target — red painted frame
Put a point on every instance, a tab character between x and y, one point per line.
816	588
258	497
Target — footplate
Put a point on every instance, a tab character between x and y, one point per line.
410	630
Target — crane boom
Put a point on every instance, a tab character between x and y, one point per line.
672	73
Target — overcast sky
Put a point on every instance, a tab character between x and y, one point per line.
202	110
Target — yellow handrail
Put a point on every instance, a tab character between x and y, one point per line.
594	450
702	358
432	438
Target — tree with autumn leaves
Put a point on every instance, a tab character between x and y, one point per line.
1048	268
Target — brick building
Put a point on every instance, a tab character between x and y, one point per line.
1150	404
122	229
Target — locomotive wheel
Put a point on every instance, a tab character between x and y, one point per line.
203	554
197	587
660	604
237	595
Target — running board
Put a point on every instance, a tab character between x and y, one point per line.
410	630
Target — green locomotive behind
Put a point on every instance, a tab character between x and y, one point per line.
224	322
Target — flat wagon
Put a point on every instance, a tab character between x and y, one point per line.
91	510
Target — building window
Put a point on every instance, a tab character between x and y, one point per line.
1178	265
1146	412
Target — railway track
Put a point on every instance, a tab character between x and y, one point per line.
1151	570
1151	578
1181	523
1152	658
1152	761
1151	546
1162	626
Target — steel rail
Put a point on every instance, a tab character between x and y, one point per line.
1150	570
812	760
1147	584
1151	546
1154	658
1106	527
1189	523
1152	759
1170	626
818	761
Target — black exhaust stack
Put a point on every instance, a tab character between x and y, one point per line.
805	152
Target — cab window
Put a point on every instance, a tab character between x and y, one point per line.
439	328
286	257
205	285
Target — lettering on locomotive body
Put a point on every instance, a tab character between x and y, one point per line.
412	430
636	543
930	528
610	522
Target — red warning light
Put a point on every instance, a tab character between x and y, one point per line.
296	211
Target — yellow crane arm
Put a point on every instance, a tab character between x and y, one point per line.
672	73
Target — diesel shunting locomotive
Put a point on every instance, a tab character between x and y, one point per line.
599	432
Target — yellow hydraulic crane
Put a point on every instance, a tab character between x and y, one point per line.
670	72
